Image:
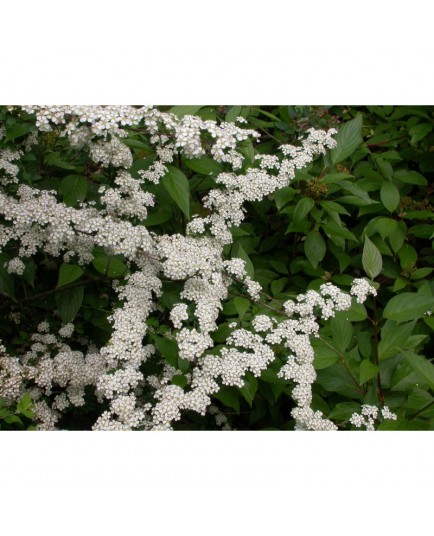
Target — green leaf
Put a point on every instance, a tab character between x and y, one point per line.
336	379
177	186
335	177
421	273
279	266
348	139
183	365
204	165
333	231
410	177
314	248
302	209
54	160
283	196
331	206
25	406
389	195
179	380
342	333
168	349
408	306
403	425
344	410
232	114
110	266
69	302
136	144
367	371
180	111
407	255
17	130
324	355
222	333
239	252
419	132
229	397
73	189
371	259
385	167
357	313
393	338
356	201
247	150
69	273
13	419
418	399
242	305
248	390
397	236
355	190
421	365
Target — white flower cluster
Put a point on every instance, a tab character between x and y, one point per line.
113	153
41	223
8	170
15	266
49	365
128	199
368	416
361	288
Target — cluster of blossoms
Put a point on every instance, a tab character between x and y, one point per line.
39	222
9	170
368	416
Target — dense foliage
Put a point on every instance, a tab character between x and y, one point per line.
364	209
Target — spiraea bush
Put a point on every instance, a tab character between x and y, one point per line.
207	268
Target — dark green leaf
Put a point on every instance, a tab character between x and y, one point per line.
180	111
176	184
239	252
314	247
73	189
344	410
408	306
17	130
229	397
371	259
69	302
325	356
242	305
348	138
367	371
204	165
69	273
389	195
110	266
168	349
423	367
342	332
394	338
419	132
302	209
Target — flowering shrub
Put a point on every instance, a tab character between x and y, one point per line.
135	297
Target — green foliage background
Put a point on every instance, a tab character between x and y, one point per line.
365	209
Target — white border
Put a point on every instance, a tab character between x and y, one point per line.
225	52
